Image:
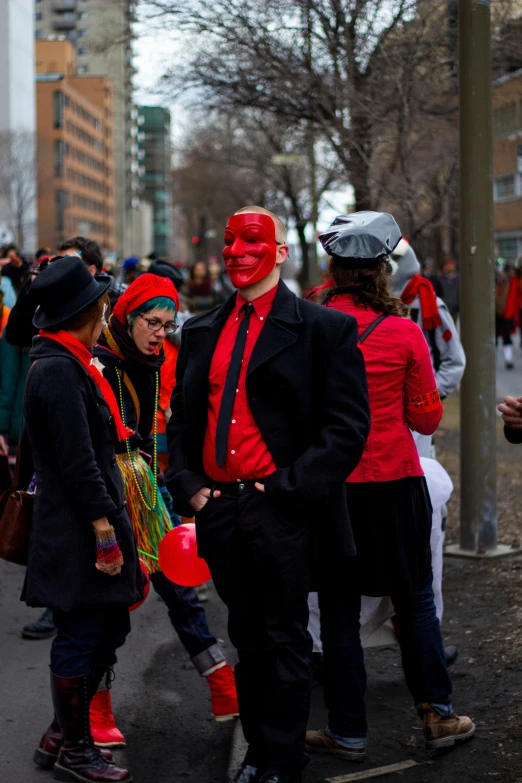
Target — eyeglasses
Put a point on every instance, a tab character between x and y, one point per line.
155	325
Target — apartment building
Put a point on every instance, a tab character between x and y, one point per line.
75	132
507	165
101	33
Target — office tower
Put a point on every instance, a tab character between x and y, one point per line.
155	148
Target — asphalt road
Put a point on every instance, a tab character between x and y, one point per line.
161	703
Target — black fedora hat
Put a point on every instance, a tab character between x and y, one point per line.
65	288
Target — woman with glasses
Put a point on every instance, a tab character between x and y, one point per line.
130	351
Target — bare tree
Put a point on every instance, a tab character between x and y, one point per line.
18	175
230	160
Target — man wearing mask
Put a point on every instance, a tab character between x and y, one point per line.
266	425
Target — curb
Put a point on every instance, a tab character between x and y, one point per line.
238	749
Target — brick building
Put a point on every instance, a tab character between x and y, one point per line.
507	165
75	138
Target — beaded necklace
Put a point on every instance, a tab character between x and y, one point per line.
155	453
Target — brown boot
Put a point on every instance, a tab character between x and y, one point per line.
78	759
320	742
46	754
442	732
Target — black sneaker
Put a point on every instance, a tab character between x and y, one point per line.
44	628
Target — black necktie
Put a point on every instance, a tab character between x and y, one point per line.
229	393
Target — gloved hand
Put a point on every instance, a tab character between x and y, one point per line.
167	497
109	558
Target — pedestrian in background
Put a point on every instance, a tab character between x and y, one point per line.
450	284
82	561
507	311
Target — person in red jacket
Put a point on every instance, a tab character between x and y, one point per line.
388	501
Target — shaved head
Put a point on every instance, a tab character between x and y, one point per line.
279	225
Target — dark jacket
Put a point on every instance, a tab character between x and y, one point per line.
20	330
78	481
306	386
143	380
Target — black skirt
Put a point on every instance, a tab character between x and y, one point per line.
391	523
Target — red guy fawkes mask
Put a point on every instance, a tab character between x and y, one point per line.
250	248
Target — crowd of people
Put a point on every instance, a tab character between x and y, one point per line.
298	433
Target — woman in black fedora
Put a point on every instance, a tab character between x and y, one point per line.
82	558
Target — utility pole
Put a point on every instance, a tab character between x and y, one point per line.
478	525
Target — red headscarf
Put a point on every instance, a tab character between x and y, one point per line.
144	288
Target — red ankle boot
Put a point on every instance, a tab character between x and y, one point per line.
104	731
222	685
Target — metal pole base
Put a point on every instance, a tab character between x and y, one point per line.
501	550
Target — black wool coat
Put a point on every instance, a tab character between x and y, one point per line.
306	386
78	481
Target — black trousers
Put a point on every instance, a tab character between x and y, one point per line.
258	551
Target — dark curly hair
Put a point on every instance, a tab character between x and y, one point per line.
368	286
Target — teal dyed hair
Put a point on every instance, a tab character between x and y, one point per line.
158	303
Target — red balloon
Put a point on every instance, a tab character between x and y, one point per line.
145	589
178	557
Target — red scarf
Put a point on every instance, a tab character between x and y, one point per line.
421	287
84	356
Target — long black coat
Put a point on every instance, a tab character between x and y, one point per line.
78	481
306	386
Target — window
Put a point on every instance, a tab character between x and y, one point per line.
38	16
504	187
58	107
82	33
38	35
83	69
505	120
59	155
61	206
83	50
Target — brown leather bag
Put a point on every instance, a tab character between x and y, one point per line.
16	512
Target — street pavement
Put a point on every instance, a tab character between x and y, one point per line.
162	705
509	382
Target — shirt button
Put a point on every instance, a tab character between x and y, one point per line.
261	318
237	391
241	486
233	421
232	452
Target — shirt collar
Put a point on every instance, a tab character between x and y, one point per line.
262	305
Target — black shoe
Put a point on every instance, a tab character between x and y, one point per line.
44	628
247	774
451	654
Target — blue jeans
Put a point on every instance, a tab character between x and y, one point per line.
189	621
422	652
86	639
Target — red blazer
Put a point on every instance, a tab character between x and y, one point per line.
402	392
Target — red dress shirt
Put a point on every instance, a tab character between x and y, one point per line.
248	455
402	392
